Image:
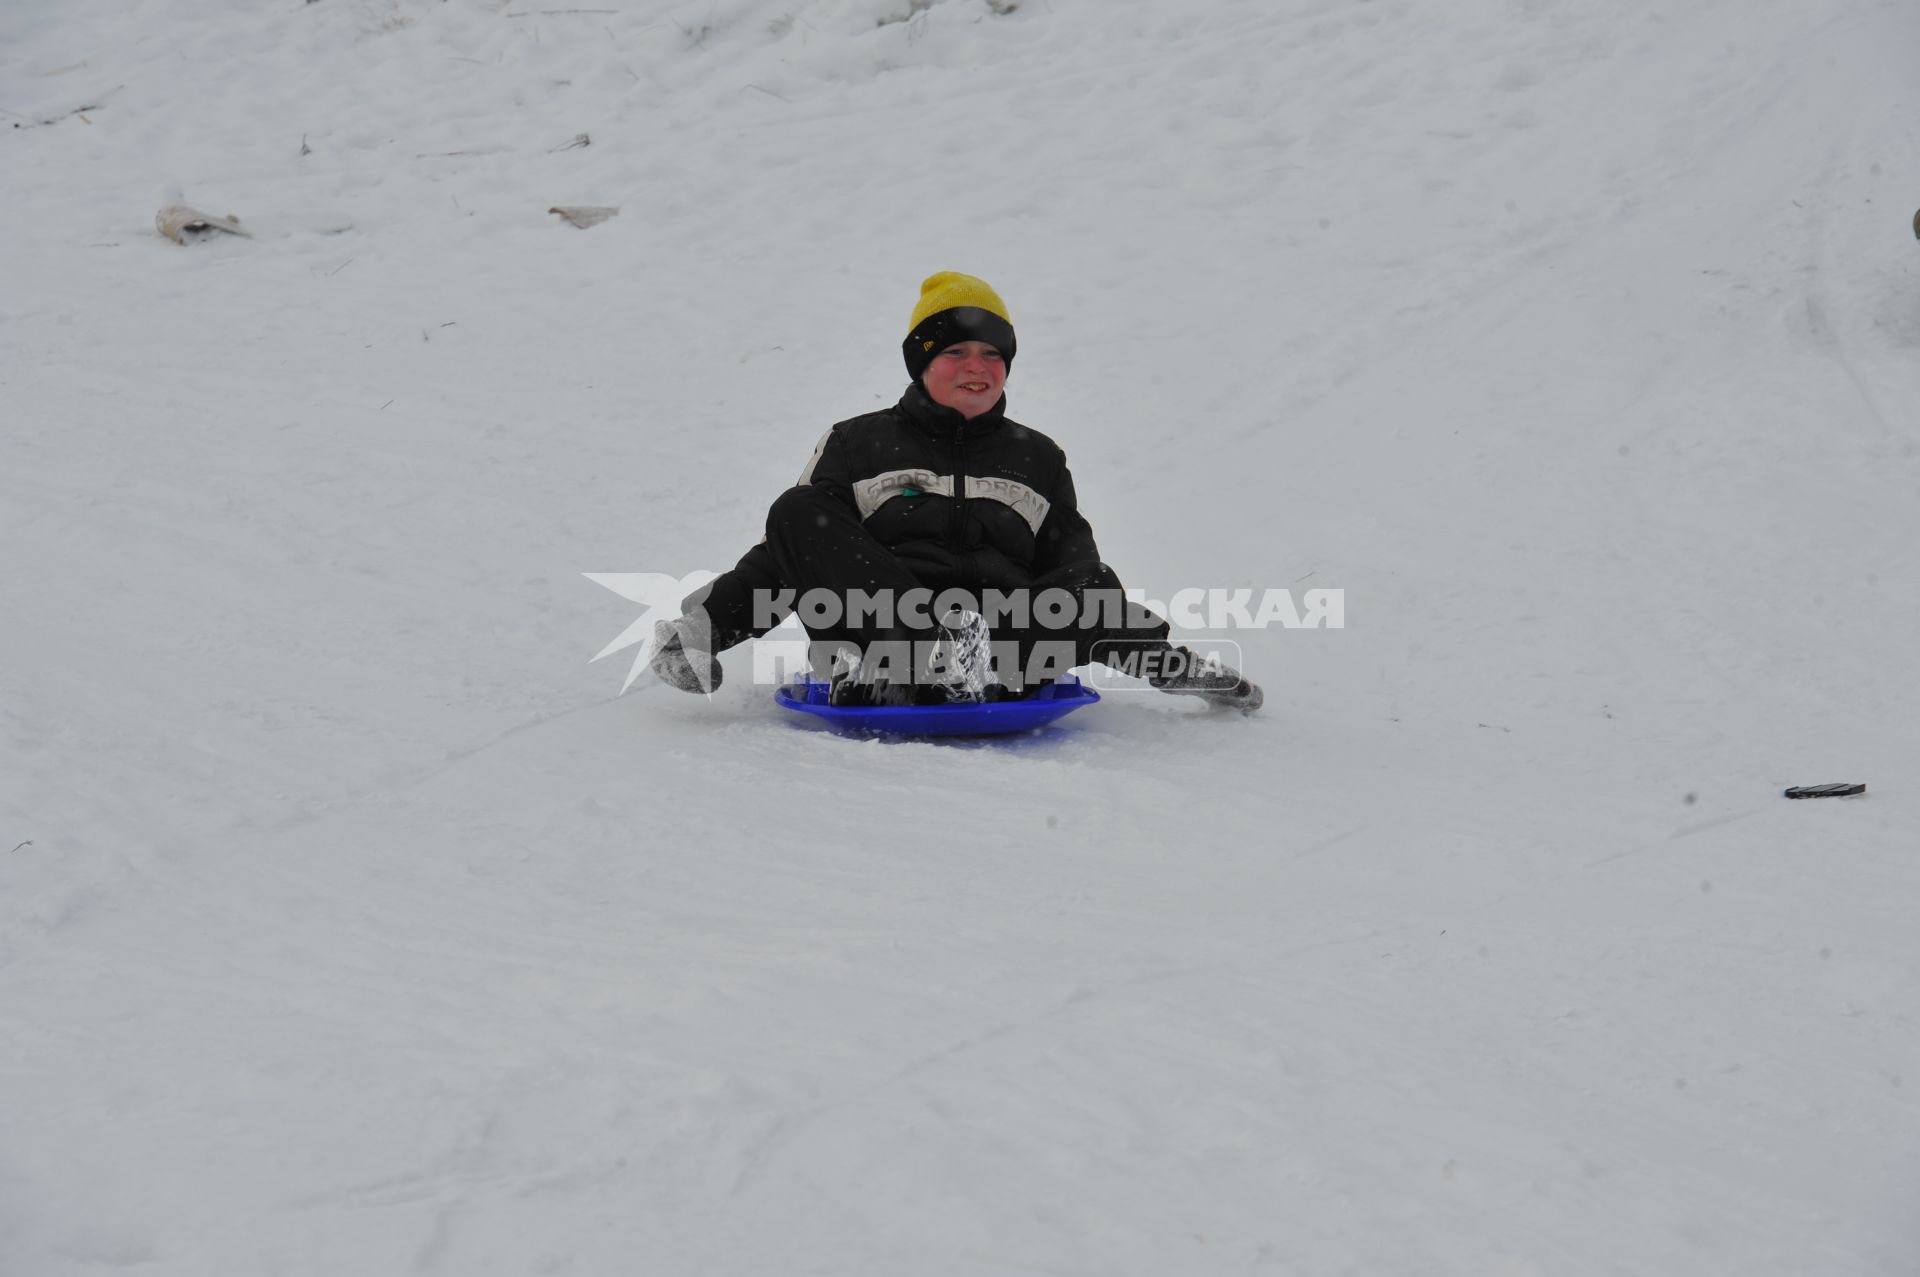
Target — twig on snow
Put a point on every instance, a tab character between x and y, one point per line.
32	123
585	215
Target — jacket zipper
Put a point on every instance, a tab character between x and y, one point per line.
956	532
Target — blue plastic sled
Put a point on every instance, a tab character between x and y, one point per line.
992	718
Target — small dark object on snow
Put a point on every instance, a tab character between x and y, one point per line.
1916	224
585	215
1836	790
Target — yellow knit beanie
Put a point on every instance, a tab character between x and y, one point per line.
955	308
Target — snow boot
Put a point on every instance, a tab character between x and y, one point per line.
849	685
885	676
962	659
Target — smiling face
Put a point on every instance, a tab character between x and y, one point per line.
967	377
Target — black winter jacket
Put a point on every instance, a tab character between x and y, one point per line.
899	470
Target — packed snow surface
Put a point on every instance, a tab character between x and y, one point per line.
358	923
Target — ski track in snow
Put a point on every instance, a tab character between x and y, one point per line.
359	926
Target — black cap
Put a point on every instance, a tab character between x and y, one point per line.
951	327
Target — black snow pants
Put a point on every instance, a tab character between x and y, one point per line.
853	592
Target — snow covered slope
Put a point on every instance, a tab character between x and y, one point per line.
362	928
